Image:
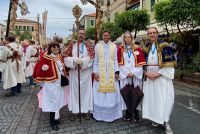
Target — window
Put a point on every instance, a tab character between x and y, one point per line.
32	28
91	22
152	4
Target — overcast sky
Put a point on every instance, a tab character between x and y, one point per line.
60	17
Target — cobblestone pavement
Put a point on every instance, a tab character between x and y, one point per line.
20	115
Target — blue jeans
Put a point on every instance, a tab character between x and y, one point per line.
31	81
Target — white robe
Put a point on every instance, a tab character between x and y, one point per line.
107	106
30	51
85	81
158	98
10	75
51	97
129	67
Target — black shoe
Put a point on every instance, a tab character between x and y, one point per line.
10	95
73	117
55	127
127	118
136	116
87	116
137	119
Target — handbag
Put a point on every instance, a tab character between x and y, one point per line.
64	81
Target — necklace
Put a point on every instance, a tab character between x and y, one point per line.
82	48
153	49
129	53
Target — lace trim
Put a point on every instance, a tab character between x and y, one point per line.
107	114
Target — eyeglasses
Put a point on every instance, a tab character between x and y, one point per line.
56	46
152	33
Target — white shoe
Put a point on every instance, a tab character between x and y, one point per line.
168	129
155	124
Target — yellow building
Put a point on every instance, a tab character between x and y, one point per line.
30	26
88	20
117	6
113	8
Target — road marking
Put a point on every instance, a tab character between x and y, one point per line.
189	108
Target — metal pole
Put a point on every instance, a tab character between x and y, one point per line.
79	84
8	21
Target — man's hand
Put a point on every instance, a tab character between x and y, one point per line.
116	76
79	61
130	75
152	75
96	77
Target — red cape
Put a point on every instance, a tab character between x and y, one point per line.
137	52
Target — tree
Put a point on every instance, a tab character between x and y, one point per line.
184	13
162	12
115	31
25	35
90	33
134	20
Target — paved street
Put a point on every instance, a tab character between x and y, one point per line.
20	115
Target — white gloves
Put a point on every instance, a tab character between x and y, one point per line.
78	61
45	67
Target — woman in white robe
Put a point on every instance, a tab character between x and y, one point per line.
130	59
51	97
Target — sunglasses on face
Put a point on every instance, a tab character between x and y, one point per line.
56	46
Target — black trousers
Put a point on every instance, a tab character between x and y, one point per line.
53	121
16	89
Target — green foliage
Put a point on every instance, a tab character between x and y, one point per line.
134	20
178	13
90	33
196	62
115	31
25	35
21	35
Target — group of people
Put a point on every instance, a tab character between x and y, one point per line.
102	71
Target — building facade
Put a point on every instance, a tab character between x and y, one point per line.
88	20
31	26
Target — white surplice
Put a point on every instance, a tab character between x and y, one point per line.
12	76
52	93
30	51
129	67
158	98
107	106
85	81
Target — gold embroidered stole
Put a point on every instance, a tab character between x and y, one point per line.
106	85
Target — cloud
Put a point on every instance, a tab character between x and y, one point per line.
60	17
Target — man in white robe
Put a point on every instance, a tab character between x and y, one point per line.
31	57
13	75
85	62
158	87
107	98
